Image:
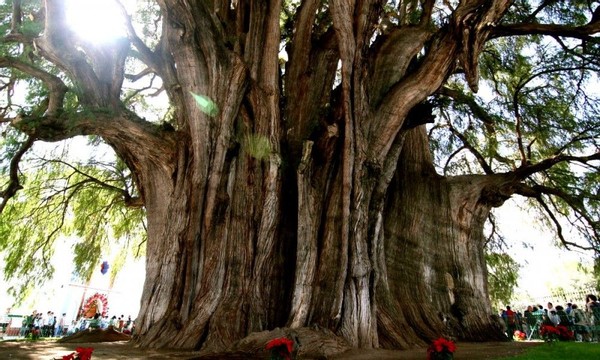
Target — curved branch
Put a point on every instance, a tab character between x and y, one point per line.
13	183
56	87
526	170
575	203
480	159
451	156
123	130
146	55
558	226
129	200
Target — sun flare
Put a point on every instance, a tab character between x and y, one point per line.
95	20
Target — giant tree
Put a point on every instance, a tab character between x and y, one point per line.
294	180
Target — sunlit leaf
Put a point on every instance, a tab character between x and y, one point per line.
206	105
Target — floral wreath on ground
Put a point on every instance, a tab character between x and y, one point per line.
441	348
80	353
281	348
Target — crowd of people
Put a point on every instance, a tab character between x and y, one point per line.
38	324
582	321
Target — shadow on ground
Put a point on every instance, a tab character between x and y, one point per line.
51	349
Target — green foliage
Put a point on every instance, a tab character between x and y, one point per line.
538	101
257	146
559	350
61	200
503	275
31	29
597	273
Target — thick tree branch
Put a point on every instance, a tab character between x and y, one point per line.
427	12
472	22
96	69
525	170
57	89
16	18
134	137
585	32
13	181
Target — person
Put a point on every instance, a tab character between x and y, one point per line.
550	308
60	327
113	322
563	318
553	318
569	308
95	322
121	323
535	318
591	301
511	321
5	321
581	324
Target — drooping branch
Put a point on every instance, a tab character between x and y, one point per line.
559	228
57	89
467	144
129	199
475	21
575	203
14	184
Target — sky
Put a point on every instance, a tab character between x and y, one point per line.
544	266
64	293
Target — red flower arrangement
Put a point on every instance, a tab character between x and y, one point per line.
80	354
441	348
559	332
519	335
281	348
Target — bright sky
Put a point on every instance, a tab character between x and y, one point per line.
544	266
96	20
64	293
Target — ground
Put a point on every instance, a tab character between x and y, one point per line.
49	350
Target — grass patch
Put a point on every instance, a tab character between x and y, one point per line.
562	350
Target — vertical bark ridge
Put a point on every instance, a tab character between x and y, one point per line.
309	204
438	234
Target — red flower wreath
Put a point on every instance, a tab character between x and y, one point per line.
281	348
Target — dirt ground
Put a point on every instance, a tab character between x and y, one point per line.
50	350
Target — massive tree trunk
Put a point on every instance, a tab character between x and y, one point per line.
304	199
310	234
435	273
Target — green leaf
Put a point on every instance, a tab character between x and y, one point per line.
206	105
